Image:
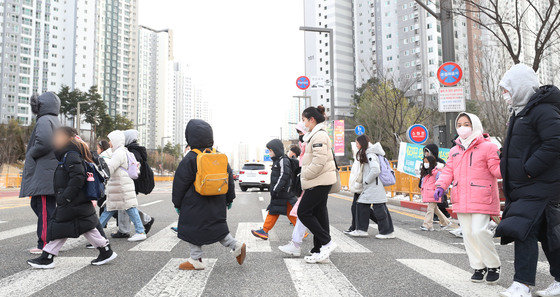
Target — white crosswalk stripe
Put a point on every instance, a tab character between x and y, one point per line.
30	281
261	199
319	279
345	243
170	281
150	203
163	241
254	244
430	245
17	231
2	222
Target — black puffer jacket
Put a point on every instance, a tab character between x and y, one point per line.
530	166
280	180
202	219
74	214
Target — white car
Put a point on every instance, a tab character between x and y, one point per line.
254	175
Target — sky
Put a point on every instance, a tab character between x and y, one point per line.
245	54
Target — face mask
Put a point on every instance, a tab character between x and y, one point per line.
301	138
464	132
427	165
507	98
34	102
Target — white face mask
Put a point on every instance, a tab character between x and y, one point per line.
427	165
464	132
507	98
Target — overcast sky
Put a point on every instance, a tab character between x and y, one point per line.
246	55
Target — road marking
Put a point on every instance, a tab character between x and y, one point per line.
448	276
30	281
261	198
319	279
17	231
264	213
170	281
345	243
430	245
150	203
163	241
2	222
254	244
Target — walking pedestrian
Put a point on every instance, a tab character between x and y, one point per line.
473	167
433	150
104	153
75	214
202	219
40	164
355	185
428	176
318	174
530	164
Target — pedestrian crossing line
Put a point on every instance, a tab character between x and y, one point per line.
450	277
17	231
30	281
2	222
150	203
254	244
345	243
428	244
170	281
261	199
163	241
319	279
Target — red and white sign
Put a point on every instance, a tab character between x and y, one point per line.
417	133
451	100
449	74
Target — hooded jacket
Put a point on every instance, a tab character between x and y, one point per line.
40	161
280	179
522	83
141	155
318	167
121	194
202	219
531	166
373	190
474	172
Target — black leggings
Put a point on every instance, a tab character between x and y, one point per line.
313	213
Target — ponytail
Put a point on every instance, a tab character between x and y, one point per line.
318	113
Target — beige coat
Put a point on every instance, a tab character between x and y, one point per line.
318	167
121	194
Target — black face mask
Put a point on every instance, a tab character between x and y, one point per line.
34	102
301	138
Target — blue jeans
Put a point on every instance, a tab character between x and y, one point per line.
132	213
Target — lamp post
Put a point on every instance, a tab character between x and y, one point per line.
331	59
78	117
161	164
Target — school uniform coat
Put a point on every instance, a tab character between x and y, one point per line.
202	219
373	190
280	180
121	193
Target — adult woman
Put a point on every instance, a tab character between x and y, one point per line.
473	167
355	186
318	174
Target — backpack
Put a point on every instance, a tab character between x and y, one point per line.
145	182
133	169
212	174
387	175
295	178
94	187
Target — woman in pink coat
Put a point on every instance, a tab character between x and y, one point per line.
473	168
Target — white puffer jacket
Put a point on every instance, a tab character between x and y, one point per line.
373	192
120	187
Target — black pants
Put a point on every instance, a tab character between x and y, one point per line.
527	255
44	207
361	214
382	217
443	205
313	213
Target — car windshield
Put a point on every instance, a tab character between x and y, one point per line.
253	167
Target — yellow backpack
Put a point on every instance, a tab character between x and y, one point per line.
212	175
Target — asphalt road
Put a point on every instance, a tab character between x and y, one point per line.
415	264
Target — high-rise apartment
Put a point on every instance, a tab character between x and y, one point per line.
181	94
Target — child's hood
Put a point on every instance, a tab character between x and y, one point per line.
276	146
199	134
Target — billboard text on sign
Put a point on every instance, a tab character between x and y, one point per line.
451	100
339	138
411	158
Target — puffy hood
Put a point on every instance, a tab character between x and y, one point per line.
434	150
522	82
301	127
476	125
375	149
276	146
199	134
130	136
48	103
117	139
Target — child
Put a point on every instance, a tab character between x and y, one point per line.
281	198
75	214
202	219
428	176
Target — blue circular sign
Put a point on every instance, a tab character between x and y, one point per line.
417	134
449	74
303	82
360	130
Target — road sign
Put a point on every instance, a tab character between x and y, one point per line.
360	130
338	135
319	82
303	82
449	74
451	100
417	134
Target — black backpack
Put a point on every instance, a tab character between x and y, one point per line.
295	188
145	182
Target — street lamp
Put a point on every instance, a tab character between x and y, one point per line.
78	113
161	164
331	58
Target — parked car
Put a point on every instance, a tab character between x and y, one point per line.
254	175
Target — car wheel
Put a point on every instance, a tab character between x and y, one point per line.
244	189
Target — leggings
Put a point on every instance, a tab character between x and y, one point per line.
313	213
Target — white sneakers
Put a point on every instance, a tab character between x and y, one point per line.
457	232
290	249
385	236
552	290
358	233
517	290
323	256
138	237
424	228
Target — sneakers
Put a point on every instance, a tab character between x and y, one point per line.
240	253
517	290
552	290
175	229
89	246
314	258
148	226
385	236
493	275
106	255
138	237
326	251
192	264
457	232
290	249
260	234
45	261
36	251
424	228
350	230
119	234
478	275
358	233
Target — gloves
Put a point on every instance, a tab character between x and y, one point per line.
178	210
439	193
229	205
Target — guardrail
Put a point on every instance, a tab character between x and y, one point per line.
10	180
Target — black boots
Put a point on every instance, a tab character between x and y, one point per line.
45	261
106	255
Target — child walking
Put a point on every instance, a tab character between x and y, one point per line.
75	214
202	219
429	173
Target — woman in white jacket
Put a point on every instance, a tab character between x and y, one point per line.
120	187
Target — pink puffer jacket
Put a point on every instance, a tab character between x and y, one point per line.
429	186
474	173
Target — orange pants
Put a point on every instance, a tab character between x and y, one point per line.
271	219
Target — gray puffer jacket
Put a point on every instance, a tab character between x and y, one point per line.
40	161
373	192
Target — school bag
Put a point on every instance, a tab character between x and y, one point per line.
94	187
133	169
212	175
295	188
387	175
